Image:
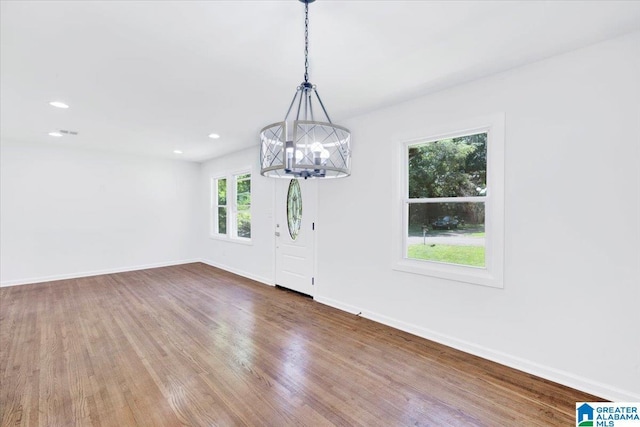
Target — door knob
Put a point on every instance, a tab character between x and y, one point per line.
277	234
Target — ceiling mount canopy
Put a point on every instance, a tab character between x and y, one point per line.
301	146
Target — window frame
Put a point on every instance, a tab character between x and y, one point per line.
492	274
232	206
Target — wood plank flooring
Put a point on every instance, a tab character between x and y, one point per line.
197	346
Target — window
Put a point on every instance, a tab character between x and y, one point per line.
220	212
452	204
243	206
447	192
231	207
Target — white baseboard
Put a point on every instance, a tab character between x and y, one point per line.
561	377
261	279
80	274
337	304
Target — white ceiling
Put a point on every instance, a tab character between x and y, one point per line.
149	77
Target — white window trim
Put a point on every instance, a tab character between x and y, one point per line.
232	207
493	273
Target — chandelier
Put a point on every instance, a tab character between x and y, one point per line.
303	147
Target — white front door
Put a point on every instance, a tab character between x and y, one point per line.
295	254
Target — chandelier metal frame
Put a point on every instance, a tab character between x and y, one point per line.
305	147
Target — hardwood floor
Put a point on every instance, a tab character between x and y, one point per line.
194	345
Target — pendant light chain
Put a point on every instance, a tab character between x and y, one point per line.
306	42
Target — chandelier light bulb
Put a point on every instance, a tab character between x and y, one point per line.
316	147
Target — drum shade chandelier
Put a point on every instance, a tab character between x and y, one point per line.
303	147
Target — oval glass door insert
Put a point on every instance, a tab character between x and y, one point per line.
294	208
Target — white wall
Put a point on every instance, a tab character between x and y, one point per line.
570	307
69	212
257	259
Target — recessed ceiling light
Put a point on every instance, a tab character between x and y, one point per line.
214	136
178	151
58	104
56	134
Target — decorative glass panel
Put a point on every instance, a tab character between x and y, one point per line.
321	150
294	208
272	152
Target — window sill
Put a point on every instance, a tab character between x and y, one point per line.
458	273
225	238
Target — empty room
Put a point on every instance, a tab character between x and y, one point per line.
320	213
